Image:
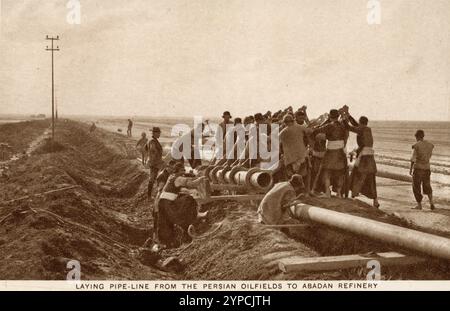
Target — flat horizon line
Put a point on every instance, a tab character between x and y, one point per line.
28	116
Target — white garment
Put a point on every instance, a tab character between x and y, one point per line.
168	196
335	144
364	152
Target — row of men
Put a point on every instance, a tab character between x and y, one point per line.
273	209
172	208
316	151
311	151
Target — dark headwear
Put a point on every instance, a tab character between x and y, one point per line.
259	117
334	113
226	113
420	134
237	120
300	113
288	118
179	166
156	129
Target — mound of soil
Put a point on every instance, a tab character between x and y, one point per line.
49	146
95	217
240	249
19	135
244	249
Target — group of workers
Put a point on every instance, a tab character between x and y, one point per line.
313	161
172	208
316	150
313	158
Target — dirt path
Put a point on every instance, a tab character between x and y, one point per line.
37	141
30	148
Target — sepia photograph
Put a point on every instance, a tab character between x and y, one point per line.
231	144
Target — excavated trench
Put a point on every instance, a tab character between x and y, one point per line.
100	220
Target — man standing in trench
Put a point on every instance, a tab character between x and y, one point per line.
155	161
176	207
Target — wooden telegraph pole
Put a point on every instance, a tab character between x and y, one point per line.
52	49
56	108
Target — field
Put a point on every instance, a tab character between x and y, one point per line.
100	216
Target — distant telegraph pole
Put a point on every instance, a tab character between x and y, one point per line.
53	83
56	108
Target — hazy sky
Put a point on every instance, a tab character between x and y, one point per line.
201	57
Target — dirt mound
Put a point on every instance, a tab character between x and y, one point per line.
244	249
240	249
19	135
49	146
81	203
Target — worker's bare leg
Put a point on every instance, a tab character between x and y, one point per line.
417	189
376	204
426	185
307	182
327	182
340	184
430	198
358	183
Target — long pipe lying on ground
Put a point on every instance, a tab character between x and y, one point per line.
390	175
380	173
402	237
394	176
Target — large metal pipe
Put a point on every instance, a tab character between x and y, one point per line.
240	177
402	237
380	173
261	180
254	178
220	177
394	176
227	176
390	175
